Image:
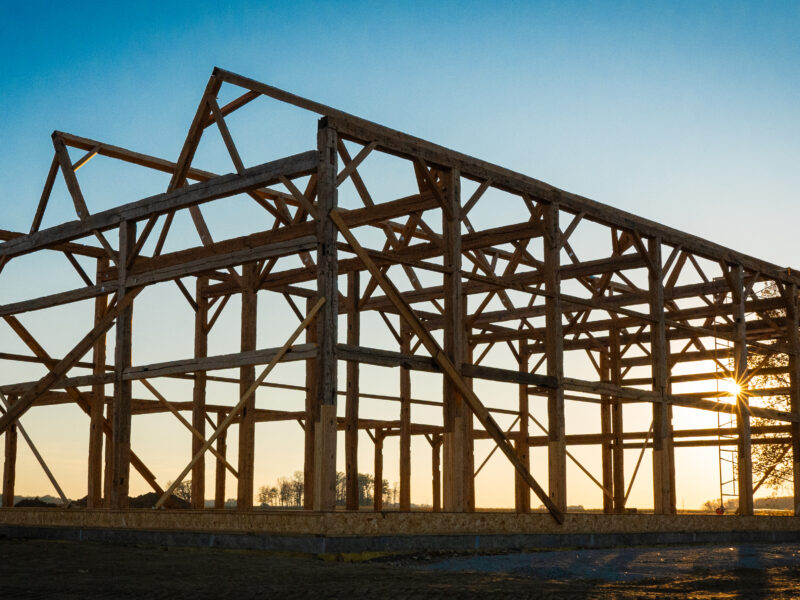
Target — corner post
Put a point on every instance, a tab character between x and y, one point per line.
554	346
457	418
744	454
327	273
793	339
663	461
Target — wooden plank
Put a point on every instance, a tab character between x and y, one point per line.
213	189
351	400
554	348
247	374
405	421
327	273
94	493
121	407
436	351
199	394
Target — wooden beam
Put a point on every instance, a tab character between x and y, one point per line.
327	272
377	493
10	463
121	407
793	339
220	475
199	394
94	495
735	277
554	347
522	493
351	401
663	461
213	189
247	374
310	413
405	421
457	418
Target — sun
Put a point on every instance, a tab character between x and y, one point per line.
730	386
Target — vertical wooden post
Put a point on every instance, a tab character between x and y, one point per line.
405	420
663	463
94	495
617	426
221	473
744	456
247	375
310	415
554	346
436	472
108	471
327	271
522	492
199	394
606	453
121	410
457	440
793	340
10	462
351	407
377	495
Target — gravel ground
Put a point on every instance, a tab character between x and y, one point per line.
49	569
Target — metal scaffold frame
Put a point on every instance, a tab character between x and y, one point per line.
653	303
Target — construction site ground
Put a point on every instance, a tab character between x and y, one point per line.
57	569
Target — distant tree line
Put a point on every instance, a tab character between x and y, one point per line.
289	492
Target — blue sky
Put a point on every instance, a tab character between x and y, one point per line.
683	112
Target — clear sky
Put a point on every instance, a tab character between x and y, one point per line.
683	112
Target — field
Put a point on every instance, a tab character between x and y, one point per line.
47	569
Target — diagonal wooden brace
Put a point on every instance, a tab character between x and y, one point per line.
79	398
448	368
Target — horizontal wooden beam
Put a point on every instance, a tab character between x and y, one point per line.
213	189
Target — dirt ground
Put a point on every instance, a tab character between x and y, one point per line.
49	569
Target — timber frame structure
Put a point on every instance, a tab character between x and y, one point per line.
645	309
